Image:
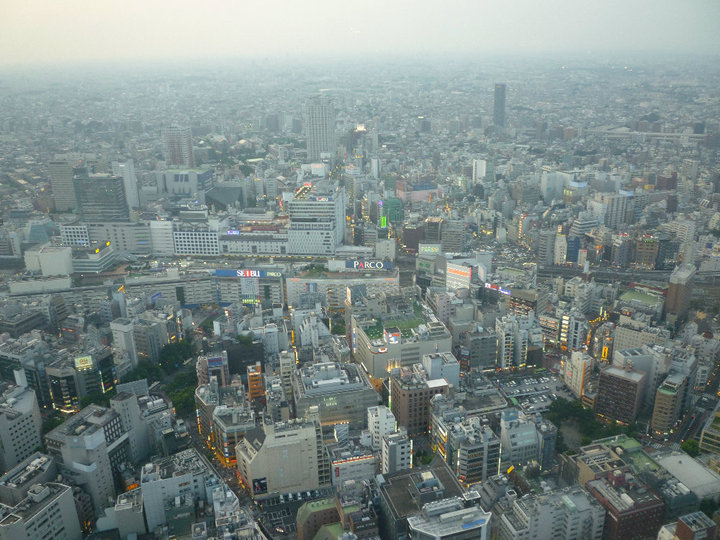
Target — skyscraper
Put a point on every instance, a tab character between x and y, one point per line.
100	197
320	127
178	147
499	108
126	169
679	294
61	182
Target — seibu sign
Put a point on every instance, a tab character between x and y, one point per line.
368	265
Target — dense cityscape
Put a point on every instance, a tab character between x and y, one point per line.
392	300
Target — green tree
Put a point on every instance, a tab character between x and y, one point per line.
691	447
146	369
173	355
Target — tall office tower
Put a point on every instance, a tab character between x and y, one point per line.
546	247
100	197
499	108
680	291
178	147
620	393
126	170
47	512
317	221
61	182
320	127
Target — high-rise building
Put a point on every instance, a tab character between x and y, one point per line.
396	452
213	365
61	183
450	519
320	127
410	395
48	511
632	509
178	147
499	105
669	400
317	220
126	170
284	457
380	422
680	291
100	197
620	393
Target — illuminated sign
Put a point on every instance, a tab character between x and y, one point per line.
498	288
457	272
368	265
233	232
221	272
383	222
424	249
215	361
83	362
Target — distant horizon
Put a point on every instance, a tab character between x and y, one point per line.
37	33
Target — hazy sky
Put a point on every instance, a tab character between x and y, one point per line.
40	31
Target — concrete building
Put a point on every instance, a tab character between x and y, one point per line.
35	469
380	422
442	366
525	439
341	392
317	221
694	526
20	426
558	515
284	457
177	146
183	475
679	294
320	128
451	519
89	447
61	183
620	393
710	437
481	345
669	400
100	197
403	494
576	372
396	452
632	510
47	512
214	365
410	395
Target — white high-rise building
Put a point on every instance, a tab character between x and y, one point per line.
560	253
381	421
124	338
126	170
576	371
479	169
61	183
396	452
320	127
317	221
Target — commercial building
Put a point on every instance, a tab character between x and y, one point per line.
284	457
183	475
177	146
560	515
499	105
576	372
404	493
61	183
341	392
478	348
669	400
679	294
410	395
525	439
317	221
632	510
47	512
620	393
35	469
380	422
89	447
710	437
453	519
694	526
396	452
319	127
20	426
100	197
442	366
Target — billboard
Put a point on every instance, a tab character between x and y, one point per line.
83	362
222	272
356	264
429	249
215	361
259	486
